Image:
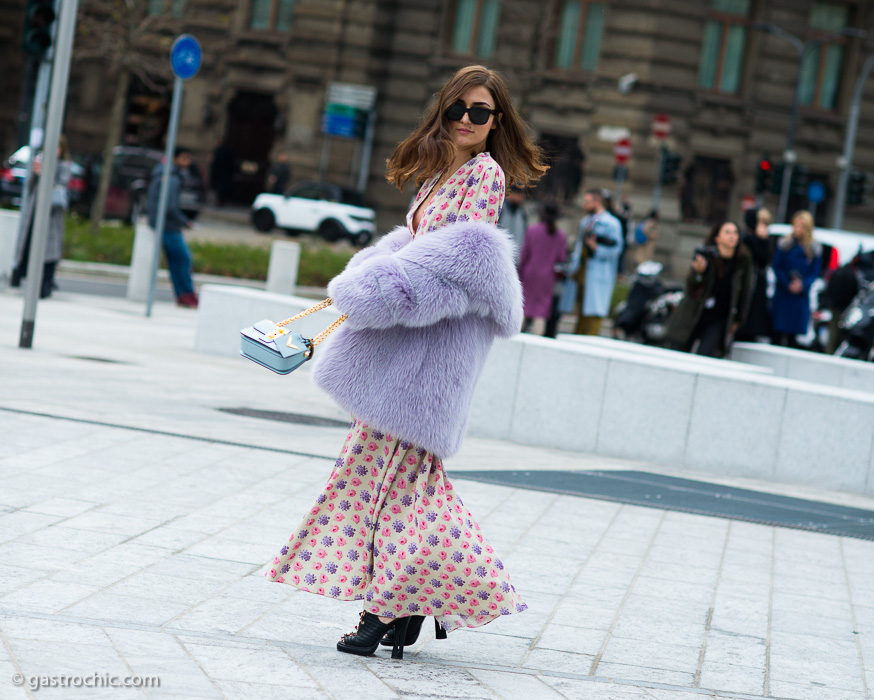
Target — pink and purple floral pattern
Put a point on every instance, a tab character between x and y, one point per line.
475	192
389	529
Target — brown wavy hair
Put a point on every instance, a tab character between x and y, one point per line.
429	148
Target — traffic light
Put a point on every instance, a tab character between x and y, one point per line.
763	176
670	167
858	187
36	39
777	177
799	182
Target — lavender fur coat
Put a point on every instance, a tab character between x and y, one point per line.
423	314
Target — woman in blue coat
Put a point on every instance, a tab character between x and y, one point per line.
797	263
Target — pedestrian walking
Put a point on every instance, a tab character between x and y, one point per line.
424	305
280	174
513	217
221	172
173	242
60	203
591	273
716	298
758	241
797	263
545	247
645	236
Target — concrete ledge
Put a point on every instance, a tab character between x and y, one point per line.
808	366
655	405
225	310
637	349
8	244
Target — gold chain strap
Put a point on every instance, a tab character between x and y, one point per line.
318	307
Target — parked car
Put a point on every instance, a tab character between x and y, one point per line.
333	211
131	171
13	172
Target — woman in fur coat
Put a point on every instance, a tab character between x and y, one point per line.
423	306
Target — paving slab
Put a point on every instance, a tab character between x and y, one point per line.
137	519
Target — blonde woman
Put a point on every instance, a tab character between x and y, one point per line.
797	263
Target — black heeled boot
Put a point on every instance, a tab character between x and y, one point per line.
370	630
413	632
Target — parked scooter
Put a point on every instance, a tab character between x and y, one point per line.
857	327
642	317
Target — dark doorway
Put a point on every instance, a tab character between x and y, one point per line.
565	175
707	190
250	134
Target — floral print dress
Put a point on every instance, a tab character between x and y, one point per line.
389	528
475	192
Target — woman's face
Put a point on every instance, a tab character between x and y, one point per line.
798	228
468	137
727	237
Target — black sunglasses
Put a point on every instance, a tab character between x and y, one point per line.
478	115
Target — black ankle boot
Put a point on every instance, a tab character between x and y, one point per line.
413	632
370	630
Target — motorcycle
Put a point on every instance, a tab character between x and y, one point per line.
857	327
643	316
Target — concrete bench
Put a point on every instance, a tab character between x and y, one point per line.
808	366
624	346
224	310
665	408
8	244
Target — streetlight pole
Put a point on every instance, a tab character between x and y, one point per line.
803	49
845	162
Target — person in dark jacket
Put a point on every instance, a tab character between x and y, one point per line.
221	172
758	242
797	263
843	286
173	242
717	294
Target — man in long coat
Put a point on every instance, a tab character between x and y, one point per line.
599	243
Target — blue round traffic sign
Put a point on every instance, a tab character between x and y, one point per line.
185	56
815	192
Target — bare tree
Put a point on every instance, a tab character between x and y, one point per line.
125	40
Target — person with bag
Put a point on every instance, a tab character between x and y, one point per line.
57	217
591	274
423	307
717	294
544	248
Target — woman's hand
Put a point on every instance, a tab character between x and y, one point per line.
699	264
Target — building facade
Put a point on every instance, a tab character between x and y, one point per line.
583	73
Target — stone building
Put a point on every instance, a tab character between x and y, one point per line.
582	72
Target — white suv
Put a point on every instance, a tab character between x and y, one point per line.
333	211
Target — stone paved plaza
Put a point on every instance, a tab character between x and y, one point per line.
136	521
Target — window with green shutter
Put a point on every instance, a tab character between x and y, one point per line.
475	27
821	70
578	40
723	44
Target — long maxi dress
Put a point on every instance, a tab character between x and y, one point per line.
389	528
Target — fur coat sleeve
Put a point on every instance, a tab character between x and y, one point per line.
460	269
388	244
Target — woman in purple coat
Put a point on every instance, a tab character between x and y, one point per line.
545	246
423	307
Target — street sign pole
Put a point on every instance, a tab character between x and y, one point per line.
657	190
185	61
165	188
42	208
846	160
